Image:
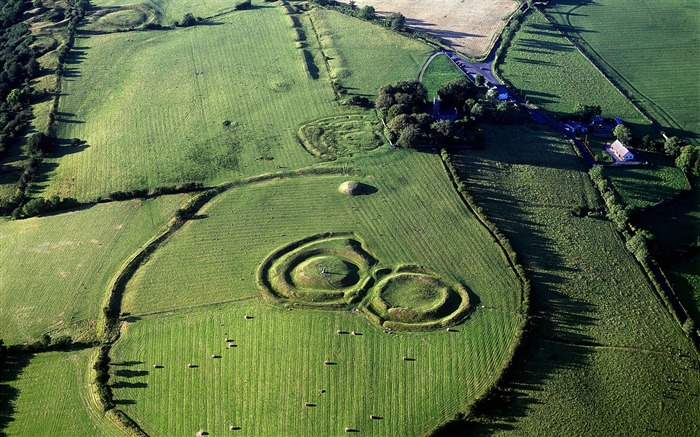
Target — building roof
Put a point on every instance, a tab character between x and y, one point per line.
620	150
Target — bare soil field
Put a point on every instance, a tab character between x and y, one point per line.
470	26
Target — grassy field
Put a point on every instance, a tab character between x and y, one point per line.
49	395
61	265
646	185
650	48
229	236
262	385
169	11
685	277
470	26
145	129
204	278
551	73
362	65
440	71
675	229
602	356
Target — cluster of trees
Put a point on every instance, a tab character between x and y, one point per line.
404	106
188	20
17	66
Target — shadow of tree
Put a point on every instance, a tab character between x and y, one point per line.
10	370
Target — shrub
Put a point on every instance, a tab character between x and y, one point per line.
245	4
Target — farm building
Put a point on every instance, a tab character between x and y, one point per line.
443	114
621	152
576	127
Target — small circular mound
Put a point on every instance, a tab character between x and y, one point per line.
352	188
123	19
325	273
417	301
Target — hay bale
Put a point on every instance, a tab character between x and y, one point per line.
353	333
352	188
232	345
247	317
190	366
448	329
373	417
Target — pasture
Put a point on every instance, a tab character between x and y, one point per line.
646	185
548	71
195	290
650	48
229	106
360	65
440	71
145	129
263	384
470	26
61	265
49	394
597	314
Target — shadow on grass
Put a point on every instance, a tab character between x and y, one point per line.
10	370
557	337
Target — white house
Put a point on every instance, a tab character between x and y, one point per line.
620	151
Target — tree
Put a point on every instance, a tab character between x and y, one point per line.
454	93
689	160
188	20
623	134
650	144
672	146
366	12
443	130
477	111
396	21
408	137
479	80
400	122
586	112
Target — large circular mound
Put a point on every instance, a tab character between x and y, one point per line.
319	270
325	273
417	300
352	188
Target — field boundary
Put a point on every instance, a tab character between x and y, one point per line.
627	89
522	336
579	48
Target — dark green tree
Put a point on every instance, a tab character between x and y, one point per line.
623	134
672	146
689	160
367	12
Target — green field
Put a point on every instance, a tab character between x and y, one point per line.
61	265
146	129
204	276
646	185
650	48
230	105
363	65
604	360
440	71
674	227
49	394
547	70
685	277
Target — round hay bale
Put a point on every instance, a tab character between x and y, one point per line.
352	188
